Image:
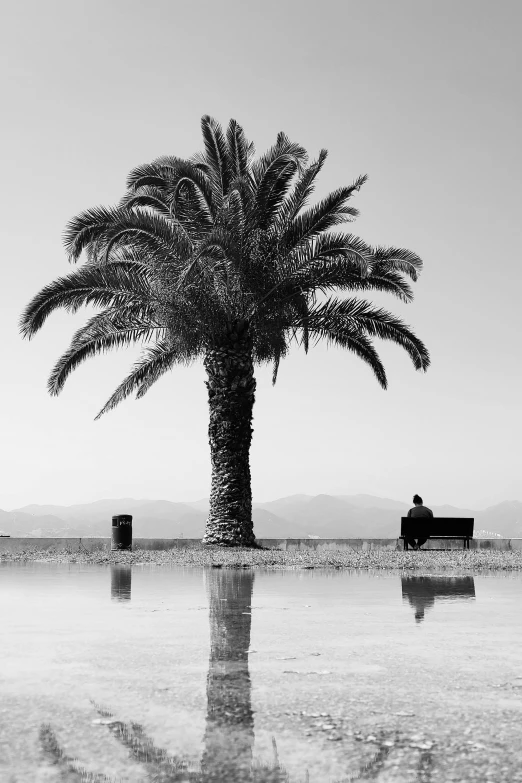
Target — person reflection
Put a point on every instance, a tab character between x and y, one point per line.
121	577
422	591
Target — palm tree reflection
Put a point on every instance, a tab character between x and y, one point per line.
229	731
422	591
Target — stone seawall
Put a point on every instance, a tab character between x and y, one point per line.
317	544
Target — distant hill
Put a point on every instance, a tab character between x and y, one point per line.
17	523
295	516
370	501
504	518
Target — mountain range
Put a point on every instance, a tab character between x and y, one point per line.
296	516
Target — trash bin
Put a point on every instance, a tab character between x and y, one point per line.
121	532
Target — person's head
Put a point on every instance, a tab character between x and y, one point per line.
417	500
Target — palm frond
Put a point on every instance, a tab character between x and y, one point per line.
334	245
398	259
271	335
115	328
273	187
356	315
328	248
214	268
156	361
344	275
199	161
298	306
241	190
279	350
302	191
283	146
199	183
358	344
87	227
184	185
275	370
110	286
157	173
221	249
238	150
235	217
388	281
298	266
191	205
216	154
330	212
116	225
182	356
133	200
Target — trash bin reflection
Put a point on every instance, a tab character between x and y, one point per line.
121	578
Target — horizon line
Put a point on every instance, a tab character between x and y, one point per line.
479	507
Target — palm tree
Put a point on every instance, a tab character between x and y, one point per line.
219	257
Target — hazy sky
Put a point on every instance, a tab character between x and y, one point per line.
422	96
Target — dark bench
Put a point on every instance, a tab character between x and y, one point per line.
438	527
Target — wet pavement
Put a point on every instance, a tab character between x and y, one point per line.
171	674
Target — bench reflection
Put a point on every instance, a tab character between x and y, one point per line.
422	591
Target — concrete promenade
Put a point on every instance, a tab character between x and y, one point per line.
318	544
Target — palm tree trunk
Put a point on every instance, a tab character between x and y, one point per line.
231	393
229	732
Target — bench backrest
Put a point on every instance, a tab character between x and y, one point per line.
438	527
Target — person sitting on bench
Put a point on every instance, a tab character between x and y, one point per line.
418	511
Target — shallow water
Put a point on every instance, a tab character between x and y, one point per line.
161	673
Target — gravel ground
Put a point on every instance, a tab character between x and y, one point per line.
278	559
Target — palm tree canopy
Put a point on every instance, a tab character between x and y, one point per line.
199	250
